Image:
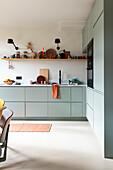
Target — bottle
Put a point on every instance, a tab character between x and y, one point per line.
59	76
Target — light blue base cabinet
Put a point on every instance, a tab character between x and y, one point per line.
18	108
63	95
36	109
58	109
76	110
37	102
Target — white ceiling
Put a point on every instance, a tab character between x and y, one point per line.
43	13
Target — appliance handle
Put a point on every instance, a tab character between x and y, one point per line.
89	68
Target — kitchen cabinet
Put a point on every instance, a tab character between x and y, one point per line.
76	110
97	10
85	37
99	55
18	108
36	109
63	95
90	116
99	115
90	97
90	28
88	31
58	110
76	94
78	101
12	93
36	94
37	102
90	106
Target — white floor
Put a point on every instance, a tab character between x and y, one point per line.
70	145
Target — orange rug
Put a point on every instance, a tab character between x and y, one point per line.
28	127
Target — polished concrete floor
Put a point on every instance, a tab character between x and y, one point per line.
70	145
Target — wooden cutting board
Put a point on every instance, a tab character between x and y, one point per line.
45	73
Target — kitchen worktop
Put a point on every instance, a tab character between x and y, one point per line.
38	85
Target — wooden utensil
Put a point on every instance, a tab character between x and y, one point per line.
45	73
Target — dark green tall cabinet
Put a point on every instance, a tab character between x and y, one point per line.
100	112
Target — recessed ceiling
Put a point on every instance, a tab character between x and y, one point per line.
43	13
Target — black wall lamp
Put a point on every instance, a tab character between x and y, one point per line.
10	41
57	41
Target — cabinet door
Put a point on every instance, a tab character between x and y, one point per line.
12	93
58	109
85	36
99	55
97	10
36	93
90	27
90	115
76	94
63	94
76	110
99	116
18	109
36	109
90	97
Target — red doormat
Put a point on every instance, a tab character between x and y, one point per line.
28	127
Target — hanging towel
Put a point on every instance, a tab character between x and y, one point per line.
55	88
1	109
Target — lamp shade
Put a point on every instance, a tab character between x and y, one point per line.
10	41
57	40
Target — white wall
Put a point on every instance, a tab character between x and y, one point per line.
71	41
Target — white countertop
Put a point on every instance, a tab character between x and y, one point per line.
40	85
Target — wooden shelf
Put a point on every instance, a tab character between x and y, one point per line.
27	59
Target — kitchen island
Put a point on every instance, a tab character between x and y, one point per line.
36	102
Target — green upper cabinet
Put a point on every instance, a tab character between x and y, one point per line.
12	93
88	31
97	10
85	37
90	27
36	94
63	94
99	55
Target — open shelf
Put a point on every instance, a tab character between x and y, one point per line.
23	59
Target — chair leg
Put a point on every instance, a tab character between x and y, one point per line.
5	147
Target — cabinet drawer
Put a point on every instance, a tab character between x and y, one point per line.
12	93
36	109
76	109
90	116
90	97
58	110
36	94
63	94
18	108
76	94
